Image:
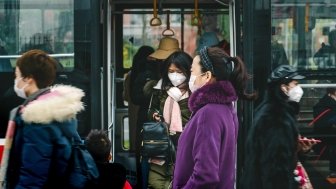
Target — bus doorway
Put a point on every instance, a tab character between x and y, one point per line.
131	29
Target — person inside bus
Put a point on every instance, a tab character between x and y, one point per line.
111	175
5	64
325	57
43	124
207	39
279	56
148	79
326	124
206	153
138	66
273	141
170	99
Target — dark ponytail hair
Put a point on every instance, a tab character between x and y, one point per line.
229	68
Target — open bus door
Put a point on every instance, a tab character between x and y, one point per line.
130	29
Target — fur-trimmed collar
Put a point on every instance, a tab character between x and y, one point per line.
62	103
220	92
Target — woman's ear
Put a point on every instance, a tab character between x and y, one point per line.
208	76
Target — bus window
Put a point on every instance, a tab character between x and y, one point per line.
54	27
138	32
47	26
304	34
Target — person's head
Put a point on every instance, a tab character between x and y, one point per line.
34	70
140	59
332	38
167	46
331	92
176	70
99	145
213	64
284	82
208	39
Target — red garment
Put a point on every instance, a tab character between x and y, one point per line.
127	185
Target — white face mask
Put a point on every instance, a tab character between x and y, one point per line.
20	92
192	85
176	78
295	94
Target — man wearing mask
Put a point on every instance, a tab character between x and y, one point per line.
272	142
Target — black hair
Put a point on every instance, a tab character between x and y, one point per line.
229	68
331	90
332	36
139	62
99	145
182	61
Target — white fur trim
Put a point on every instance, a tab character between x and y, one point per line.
61	104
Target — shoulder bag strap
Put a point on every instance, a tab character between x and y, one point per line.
150	104
319	116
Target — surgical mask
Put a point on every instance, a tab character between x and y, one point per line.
192	85
20	92
176	78
295	94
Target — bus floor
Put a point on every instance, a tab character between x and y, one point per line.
318	172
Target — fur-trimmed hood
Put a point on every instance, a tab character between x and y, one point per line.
220	92
62	103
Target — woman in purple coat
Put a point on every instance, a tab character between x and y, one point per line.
207	147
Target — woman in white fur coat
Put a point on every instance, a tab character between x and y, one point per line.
44	123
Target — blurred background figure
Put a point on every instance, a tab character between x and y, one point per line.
279	56
138	66
326	124
5	65
325	57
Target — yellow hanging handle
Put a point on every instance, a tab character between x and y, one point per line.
155	9
196	21
155	21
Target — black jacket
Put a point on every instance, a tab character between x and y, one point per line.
111	175
324	123
271	146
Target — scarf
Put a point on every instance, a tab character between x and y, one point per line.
172	111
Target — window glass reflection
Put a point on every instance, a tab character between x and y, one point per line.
27	25
304	34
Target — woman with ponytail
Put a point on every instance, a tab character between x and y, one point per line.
207	147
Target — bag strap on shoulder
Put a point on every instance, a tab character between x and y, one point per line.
319	116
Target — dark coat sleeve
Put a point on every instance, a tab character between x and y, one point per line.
278	159
137	94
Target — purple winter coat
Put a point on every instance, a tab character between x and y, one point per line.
206	154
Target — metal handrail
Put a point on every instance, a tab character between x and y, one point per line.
52	55
325	85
